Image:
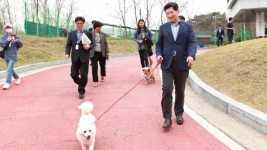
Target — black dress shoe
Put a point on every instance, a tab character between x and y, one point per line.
179	120
167	123
81	96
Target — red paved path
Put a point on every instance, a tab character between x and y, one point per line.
42	113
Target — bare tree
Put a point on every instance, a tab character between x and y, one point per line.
122	11
8	8
149	7
59	6
137	9
44	11
71	10
2	11
33	10
161	14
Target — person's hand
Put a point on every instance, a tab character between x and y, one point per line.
159	59
9	38
86	47
190	61
67	56
140	41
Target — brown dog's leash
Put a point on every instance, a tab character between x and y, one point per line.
151	72
125	94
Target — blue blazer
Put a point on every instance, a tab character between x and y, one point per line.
184	45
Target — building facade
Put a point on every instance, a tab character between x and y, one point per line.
251	14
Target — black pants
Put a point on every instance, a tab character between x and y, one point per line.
79	68
170	77
102	61
219	42
143	58
230	37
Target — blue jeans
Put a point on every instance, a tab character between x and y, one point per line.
10	71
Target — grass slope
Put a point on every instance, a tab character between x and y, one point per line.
238	70
41	49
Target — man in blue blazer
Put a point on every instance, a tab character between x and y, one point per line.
175	51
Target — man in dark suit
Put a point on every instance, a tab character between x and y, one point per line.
219	35
79	55
175	51
230	30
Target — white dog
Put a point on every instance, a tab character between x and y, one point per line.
86	130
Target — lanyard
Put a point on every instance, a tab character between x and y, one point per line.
79	36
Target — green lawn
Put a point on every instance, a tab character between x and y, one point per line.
238	70
42	49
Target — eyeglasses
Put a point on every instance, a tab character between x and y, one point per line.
79	23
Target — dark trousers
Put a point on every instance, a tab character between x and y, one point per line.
219	42
230	37
170	77
102	61
79	68
143	58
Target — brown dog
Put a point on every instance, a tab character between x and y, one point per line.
148	72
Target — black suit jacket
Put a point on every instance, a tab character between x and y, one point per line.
220	35
81	52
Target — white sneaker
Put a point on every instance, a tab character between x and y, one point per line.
18	81
6	86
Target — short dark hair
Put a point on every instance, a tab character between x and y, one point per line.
231	18
79	18
171	4
97	24
93	21
181	17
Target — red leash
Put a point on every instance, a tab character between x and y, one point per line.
124	95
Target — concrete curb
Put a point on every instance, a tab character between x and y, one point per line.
31	67
244	113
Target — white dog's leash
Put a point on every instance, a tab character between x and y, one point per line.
125	94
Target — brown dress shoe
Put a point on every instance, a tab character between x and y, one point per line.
179	120
167	123
102	79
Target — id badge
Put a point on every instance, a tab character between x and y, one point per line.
77	47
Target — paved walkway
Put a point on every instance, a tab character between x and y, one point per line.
42	113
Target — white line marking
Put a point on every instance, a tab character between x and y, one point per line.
21	75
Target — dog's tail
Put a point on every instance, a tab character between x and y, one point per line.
150	62
86	107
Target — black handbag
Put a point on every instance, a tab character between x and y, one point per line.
2	53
